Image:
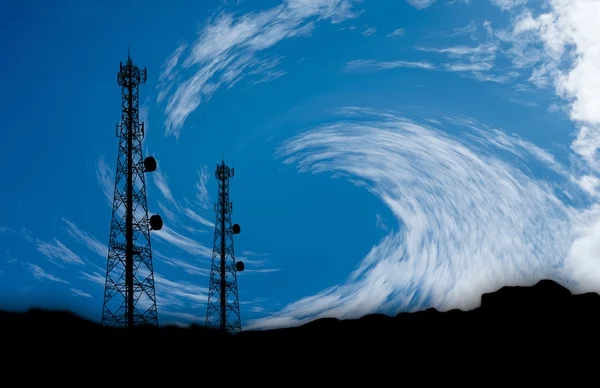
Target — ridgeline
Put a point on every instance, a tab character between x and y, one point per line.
535	310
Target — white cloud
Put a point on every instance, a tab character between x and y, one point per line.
253	301
380	223
514	144
560	45
198	218
26	234
396	32
479	71
80	293
144	111
194	230
168	72
94	277
167	212
177	293
469	29
182	264
375	65
202	199
250	253
349	28
370	31
57	251
583	260
250	263
478	60
39	273
264	270
86	239
421	4
183	243
508	229
589	183
161	182
227	49
170	63
202	191
266	71
522	102
475	61
258	263
506	5
106	180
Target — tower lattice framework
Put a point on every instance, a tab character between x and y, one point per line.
223	308
129	295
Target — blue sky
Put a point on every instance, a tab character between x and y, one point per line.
389	155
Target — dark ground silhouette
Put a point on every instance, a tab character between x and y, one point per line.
539	310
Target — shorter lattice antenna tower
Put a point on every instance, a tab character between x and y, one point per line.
223	309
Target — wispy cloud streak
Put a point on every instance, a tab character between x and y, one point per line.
371	31
94	277
106	180
506	5
396	32
161	182
198	218
81	293
227	50
86	239
478	61
201	191
167	212
263	270
421	4
40	274
57	252
182	264
184	243
177	293
369	64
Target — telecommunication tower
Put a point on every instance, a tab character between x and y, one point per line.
129	296
223	309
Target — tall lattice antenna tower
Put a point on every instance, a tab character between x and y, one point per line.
223	310
129	297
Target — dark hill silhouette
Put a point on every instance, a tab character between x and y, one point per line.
536	309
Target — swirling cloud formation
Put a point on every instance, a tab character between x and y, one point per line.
471	216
